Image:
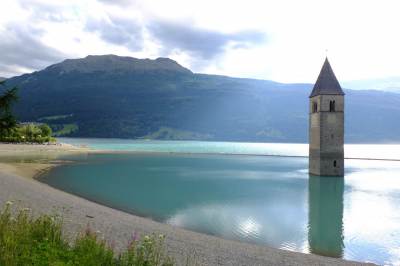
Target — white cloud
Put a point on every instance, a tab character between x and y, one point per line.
361	36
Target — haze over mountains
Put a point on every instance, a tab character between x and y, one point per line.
391	84
124	97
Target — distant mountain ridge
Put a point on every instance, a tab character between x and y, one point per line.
391	84
124	97
113	63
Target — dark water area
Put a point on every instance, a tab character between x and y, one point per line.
265	200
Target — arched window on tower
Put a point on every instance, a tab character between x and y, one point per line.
315	107
331	106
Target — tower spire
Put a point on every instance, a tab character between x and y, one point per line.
327	83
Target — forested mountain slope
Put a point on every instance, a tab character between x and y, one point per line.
123	97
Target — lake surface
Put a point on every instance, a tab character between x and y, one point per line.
373	151
265	200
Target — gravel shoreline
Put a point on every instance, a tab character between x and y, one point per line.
189	248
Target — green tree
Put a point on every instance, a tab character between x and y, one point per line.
46	130
8	122
31	132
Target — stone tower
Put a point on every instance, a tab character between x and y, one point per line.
326	155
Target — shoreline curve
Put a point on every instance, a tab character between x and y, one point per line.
117	226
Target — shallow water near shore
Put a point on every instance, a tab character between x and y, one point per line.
265	200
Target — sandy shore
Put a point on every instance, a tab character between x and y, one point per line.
117	226
37	149
29	160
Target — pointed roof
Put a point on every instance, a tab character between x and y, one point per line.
327	83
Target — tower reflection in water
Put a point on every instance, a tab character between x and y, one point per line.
325	224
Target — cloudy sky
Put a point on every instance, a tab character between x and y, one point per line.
283	40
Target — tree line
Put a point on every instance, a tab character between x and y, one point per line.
11	130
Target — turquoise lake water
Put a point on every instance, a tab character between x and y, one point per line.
265	200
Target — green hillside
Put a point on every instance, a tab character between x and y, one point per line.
123	97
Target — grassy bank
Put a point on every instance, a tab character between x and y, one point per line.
25	240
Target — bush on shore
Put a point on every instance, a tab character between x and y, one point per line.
25	240
28	133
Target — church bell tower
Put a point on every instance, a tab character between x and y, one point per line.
326	126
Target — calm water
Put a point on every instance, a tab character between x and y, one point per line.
389	151
265	200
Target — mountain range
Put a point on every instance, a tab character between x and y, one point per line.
391	84
124	97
